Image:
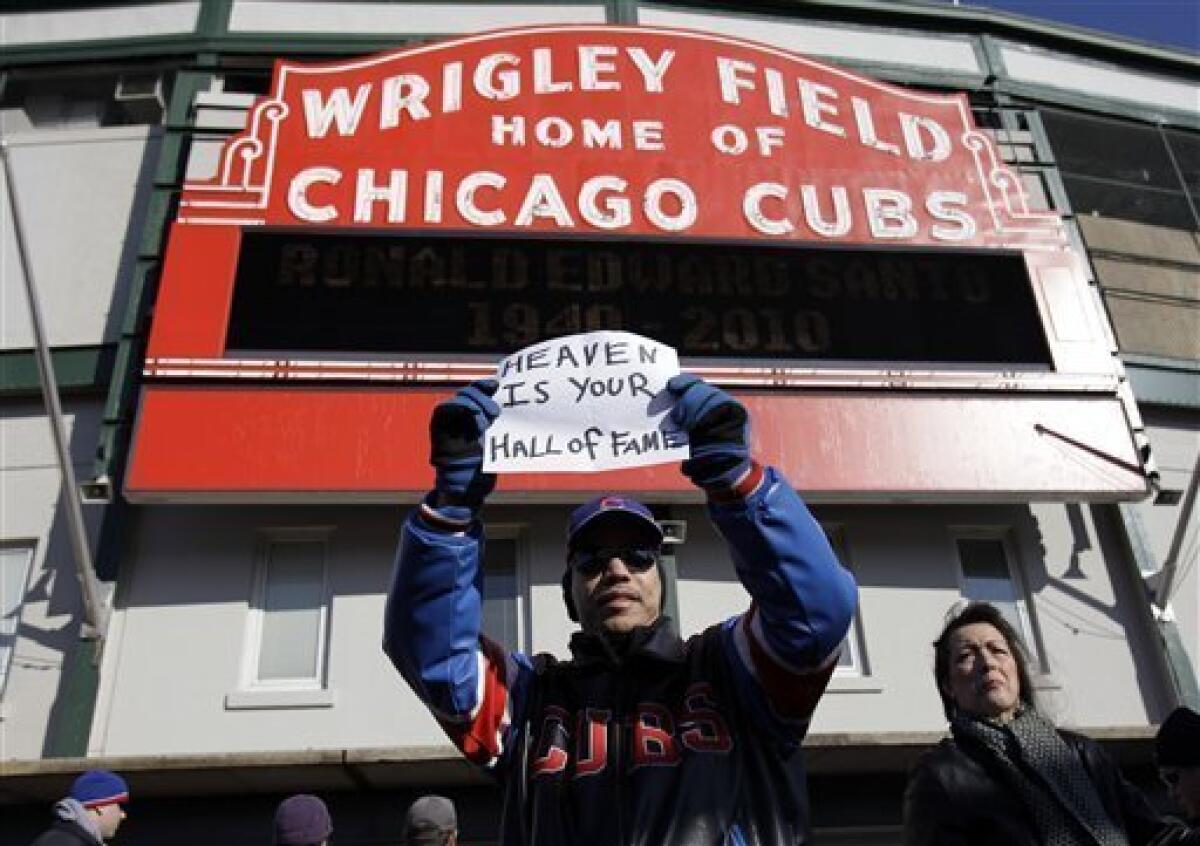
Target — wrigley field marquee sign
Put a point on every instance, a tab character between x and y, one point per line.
358	212
411	217
629	131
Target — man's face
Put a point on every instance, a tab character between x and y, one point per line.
108	819
614	580
1183	784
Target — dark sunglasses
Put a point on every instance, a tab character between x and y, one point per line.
589	562
1169	777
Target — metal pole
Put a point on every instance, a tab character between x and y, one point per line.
1171	565
95	608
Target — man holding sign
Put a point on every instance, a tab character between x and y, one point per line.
641	738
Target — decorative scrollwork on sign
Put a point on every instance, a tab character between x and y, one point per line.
1006	195
244	176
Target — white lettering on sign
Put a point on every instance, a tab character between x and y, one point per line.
889	213
941	204
557	132
496	78
669	205
595	401
812	154
320	115
923	137
298	201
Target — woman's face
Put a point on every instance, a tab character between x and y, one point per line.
983	678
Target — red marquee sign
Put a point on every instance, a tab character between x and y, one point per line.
617	131
595	132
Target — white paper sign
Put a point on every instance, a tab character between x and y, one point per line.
596	401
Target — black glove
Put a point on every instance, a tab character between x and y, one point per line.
456	444
717	427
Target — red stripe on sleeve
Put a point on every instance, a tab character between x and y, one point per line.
479	739
792	695
745	486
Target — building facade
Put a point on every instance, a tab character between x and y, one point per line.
247	451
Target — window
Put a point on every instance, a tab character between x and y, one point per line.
503	589
1126	170
989	574
289	615
852	661
15	559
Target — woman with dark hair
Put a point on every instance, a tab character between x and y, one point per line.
1007	776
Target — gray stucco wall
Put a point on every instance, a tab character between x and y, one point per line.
182	622
31	512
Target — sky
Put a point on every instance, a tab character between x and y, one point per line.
1173	23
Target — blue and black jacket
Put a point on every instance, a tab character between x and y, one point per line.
668	743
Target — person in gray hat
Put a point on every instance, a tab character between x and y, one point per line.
642	738
430	821
302	820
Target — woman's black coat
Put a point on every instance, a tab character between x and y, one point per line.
957	797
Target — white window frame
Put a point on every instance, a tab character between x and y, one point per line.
518	533
1032	634
30	545
859	666
252	650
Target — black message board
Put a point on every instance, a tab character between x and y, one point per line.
423	294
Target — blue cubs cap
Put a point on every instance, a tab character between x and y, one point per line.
608	510
99	787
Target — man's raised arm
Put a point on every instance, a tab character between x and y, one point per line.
803	599
434	608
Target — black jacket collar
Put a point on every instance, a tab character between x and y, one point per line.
655	642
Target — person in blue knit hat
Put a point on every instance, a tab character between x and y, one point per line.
90	814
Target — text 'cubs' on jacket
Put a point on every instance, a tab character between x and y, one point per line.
662	743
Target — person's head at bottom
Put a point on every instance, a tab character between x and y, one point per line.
302	820
980	666
613	581
103	796
430	821
1177	751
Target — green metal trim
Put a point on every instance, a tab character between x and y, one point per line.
979	45
623	11
214	18
75	369
183	45
1041	138
70	721
910	75
1159	362
1048	96
168	175
1181	665
1048	165
993	59
1177	386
